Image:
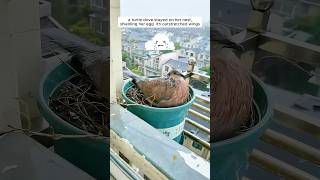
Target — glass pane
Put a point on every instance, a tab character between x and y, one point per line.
235	13
299	20
82	18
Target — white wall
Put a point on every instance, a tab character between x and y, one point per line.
116	76
20	62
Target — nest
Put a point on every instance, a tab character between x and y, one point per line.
79	103
233	109
136	95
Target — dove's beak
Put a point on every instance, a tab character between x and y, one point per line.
188	75
231	44
236	46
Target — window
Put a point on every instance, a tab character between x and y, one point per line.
201	56
191	54
297	20
156	64
99	3
235	13
166	68
187	53
98	25
102	27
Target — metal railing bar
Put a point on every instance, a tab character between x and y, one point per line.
121	168
290	48
200	77
278	167
203	99
200	107
197	139
197	125
199	115
291	145
296	120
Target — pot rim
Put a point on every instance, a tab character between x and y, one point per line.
42	103
262	123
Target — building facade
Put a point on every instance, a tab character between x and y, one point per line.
98	18
67	12
180	64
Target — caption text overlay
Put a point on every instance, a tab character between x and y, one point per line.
159	22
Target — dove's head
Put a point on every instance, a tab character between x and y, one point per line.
175	73
178	75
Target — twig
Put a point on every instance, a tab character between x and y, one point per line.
72	97
53	135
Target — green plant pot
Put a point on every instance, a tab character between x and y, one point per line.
230	157
169	121
90	155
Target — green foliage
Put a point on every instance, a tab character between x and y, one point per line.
309	24
206	69
177	45
165	51
314	40
76	19
125	56
74	14
199	85
136	70
206	31
133	41
82	29
86	10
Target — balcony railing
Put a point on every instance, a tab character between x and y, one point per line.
201	112
148	153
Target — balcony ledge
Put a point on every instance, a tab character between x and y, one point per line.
170	158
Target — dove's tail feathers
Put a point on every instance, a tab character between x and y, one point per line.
134	81
127	73
68	40
74	44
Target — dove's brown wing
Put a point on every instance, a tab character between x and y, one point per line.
179	95
165	92
156	90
